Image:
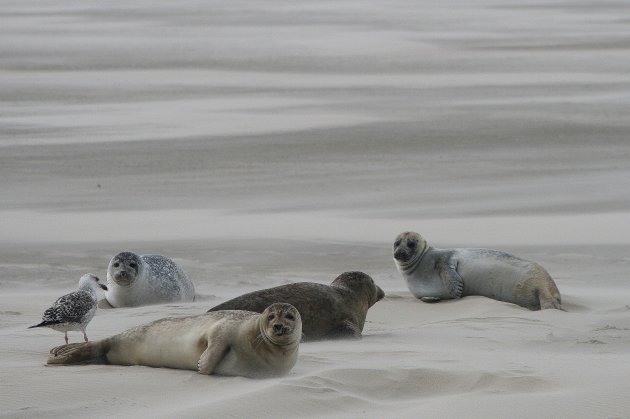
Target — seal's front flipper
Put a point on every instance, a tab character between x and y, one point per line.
430	299
211	357
350	330
346	330
451	279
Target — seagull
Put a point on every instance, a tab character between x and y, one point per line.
75	310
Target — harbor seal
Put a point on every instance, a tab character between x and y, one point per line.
134	280
328	312
435	274
228	342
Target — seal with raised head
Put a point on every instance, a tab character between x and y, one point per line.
436	274
138	280
328	312
230	342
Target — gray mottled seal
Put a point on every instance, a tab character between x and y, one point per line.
135	280
435	274
328	312
75	310
227	342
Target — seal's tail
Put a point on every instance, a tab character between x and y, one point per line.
78	353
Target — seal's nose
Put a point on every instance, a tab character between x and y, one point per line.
277	328
380	294
401	255
123	274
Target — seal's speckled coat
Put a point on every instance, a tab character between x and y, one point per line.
135	280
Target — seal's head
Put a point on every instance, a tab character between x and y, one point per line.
360	283
124	268
408	249
281	324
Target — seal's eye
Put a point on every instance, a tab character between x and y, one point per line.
397	243
116	265
289	316
271	317
133	265
411	244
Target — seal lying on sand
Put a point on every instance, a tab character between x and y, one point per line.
436	274
328	312
224	342
134	280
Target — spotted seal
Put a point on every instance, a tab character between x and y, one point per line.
328	312
436	274
135	280
230	342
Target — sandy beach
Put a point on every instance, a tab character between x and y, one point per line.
264	143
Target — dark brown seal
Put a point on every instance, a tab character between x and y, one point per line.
328	312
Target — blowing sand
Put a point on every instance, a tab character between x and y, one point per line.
263	143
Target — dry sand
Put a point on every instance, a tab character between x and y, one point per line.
262	143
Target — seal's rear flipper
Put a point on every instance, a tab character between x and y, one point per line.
77	353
